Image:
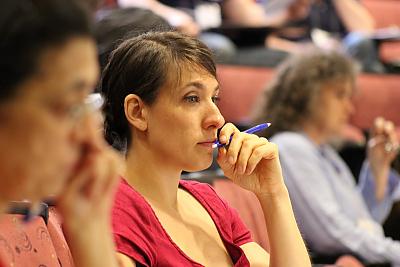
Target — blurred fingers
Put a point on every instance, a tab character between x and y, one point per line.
378	126
226	132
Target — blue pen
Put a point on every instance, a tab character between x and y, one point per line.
254	129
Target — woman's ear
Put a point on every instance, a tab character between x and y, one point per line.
135	111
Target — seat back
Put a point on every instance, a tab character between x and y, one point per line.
385	12
57	236
378	95
241	86
248	207
26	244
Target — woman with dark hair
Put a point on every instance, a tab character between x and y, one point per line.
49	139
308	104
160	94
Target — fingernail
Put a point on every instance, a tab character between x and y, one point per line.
222	139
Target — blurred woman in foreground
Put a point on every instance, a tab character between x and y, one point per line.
49	139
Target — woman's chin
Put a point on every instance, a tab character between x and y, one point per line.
200	166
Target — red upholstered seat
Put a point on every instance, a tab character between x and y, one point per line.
378	95
241	86
348	261
248	207
26	244
57	236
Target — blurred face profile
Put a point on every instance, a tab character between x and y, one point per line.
333	107
44	127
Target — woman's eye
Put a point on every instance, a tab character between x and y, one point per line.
216	99
192	99
67	110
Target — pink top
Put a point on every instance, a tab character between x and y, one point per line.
139	234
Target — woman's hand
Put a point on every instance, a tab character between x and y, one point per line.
88	196
382	150
85	204
383	145
250	161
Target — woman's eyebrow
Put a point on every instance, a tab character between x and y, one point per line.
80	87
200	85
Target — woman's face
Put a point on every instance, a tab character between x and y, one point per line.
184	120
333	107
42	130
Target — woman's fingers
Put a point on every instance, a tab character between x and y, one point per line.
234	148
378	126
244	153
250	143
226	132
76	186
385	136
265	151
107	179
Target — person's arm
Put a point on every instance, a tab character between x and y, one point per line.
325	222
251	14
255	254
379	209
175	17
275	42
354	15
382	150
253	163
282	231
377	180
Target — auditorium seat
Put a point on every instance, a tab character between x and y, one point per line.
54	227
26	244
242	87
248	207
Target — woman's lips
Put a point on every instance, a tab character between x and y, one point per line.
207	143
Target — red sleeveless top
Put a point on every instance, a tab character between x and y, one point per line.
139	234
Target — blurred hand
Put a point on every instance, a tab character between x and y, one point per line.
381	150
88	195
250	161
383	144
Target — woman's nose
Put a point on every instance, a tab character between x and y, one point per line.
213	117
88	130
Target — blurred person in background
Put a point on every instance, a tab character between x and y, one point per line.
118	24
336	25
49	139
191	17
308	103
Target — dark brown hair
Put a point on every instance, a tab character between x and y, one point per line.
30	27
141	66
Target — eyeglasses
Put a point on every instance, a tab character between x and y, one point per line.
92	103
